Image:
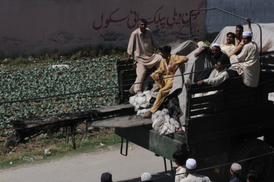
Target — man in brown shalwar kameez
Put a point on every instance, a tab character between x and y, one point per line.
140	47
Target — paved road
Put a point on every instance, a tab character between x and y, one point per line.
89	167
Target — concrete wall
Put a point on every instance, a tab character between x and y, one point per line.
31	26
260	11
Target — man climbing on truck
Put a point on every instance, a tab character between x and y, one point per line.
238	38
163	76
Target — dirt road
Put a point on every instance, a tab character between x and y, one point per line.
89	167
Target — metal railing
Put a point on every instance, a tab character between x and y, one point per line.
227	12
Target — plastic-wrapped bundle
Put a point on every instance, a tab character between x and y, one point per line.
155	115
158	123
163	124
140	100
174	123
141	112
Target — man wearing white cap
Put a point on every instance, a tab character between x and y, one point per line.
235	171
247	62
193	177
146	177
239	34
216	54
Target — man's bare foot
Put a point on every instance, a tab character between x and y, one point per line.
147	114
180	129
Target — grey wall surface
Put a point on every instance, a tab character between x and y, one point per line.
260	11
29	27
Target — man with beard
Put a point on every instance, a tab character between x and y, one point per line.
229	46
140	47
238	38
247	62
216	54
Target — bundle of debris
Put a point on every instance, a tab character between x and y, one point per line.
140	100
163	124
164	121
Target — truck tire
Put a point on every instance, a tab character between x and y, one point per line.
251	148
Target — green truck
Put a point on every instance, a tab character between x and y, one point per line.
234	125
220	129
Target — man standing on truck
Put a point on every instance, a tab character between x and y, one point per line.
163	76
191	166
140	47
247	62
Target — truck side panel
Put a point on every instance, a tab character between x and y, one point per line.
150	140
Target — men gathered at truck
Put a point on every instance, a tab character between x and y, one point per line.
238	38
239	31
163	76
244	58
140	47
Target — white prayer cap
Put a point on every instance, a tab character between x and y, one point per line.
248	34
191	163
236	168
215	45
146	176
